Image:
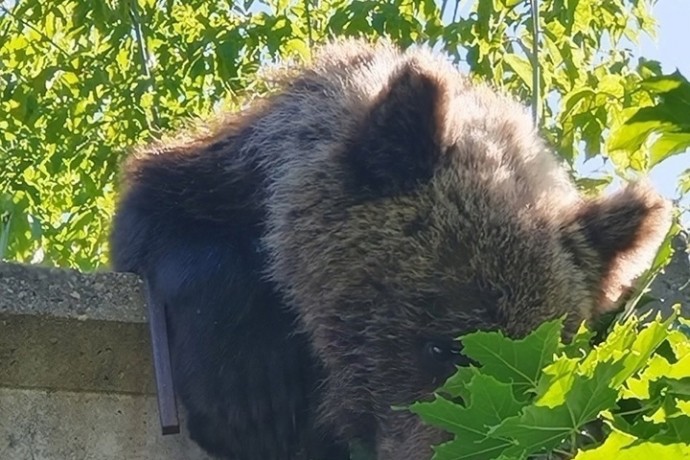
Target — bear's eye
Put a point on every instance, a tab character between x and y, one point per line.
440	358
444	352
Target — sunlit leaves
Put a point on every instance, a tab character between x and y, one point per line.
515	362
623	446
541	428
684	182
584	86
511	410
663	128
88	80
490	403
63	84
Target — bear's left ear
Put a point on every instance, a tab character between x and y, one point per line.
397	145
616	238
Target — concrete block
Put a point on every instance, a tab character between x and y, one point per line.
63	425
76	377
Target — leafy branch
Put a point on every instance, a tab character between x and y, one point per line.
536	93
538	395
28	25
145	60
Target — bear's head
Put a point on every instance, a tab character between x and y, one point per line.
444	213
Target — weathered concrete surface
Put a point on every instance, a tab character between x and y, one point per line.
76	355
38	290
76	378
46	425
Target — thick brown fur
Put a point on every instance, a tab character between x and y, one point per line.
388	205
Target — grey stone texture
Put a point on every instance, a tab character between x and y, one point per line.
36	290
76	378
63	425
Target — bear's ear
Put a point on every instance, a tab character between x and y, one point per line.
397	145
616	238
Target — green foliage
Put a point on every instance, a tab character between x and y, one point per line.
585	85
85	81
540	396
659	131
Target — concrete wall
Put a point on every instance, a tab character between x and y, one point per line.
76	377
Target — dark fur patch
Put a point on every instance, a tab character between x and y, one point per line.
247	380
396	146
417	225
611	230
616	225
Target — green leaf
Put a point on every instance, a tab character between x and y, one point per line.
457	384
556	381
572	99
489	403
593	185
631	348
522	67
674	83
684	182
667	145
622	446
665	125
540	428
515	362
660	368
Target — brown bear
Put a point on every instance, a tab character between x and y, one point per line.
318	254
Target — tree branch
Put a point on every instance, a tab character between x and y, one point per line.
536	92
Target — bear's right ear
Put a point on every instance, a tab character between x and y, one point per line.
616	238
397	145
